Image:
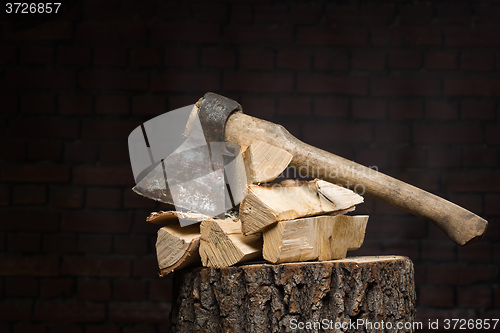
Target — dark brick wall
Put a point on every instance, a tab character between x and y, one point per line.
411	87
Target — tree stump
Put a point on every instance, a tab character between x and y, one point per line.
378	293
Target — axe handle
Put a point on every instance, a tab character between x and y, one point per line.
461	225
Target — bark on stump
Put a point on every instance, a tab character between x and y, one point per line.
270	298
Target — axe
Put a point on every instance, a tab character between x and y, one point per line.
222	120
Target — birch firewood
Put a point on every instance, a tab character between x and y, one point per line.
319	237
264	162
222	243
177	247
265	205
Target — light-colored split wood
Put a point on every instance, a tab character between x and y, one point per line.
222	244
264	162
314	238
170	217
288	200
177	247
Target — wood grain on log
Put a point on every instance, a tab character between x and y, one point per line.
270	298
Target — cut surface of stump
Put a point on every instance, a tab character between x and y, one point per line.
222	244
320	237
273	298
288	200
177	247
264	162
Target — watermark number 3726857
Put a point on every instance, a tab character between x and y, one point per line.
32	8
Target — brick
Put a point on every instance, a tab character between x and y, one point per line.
257	34
182	81
406	109
476	61
59	243
148	105
436	297
70	311
408	158
184	32
114	153
132	290
472	181
65	328
369	109
477	297
377	14
56	288
447	133
95	222
256	58
13	149
110	56
131	245
133	200
486	13
36	54
138	312
323	83
305	13
472	202
146	267
37	104
94	175
415	15
472	87
294	59
404	59
441	157
392	132
33	128
107	79
102	328
112	104
296	106
23	243
399	227
454	13
492	204
28	328
338	132
29	266
478	252
181	56
444	110
107	129
36	78
343	14
480	157
417	86
161	289
373	157
7	54
492	136
39	173
9	102
94	243
146	57
66	197
338	36
15	310
95	266
467	37
404	248
218	57
103	198
441	60
47	31
433	250
81	151
268	13
210	13
478	109
21	287
45	150
75	104
331	60
94	290
18	220
401	36
336	107
368	60
258	82
73	55
29	194
5	195
261	107
95	32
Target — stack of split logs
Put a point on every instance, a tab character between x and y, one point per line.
280	222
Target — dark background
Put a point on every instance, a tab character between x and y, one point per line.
409	87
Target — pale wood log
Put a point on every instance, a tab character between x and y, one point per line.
265	205
170	217
222	243
264	162
319	237
270	297
177	247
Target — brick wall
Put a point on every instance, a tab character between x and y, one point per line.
410	87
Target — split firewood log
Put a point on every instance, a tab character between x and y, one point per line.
264	162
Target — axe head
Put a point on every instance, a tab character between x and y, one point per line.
181	158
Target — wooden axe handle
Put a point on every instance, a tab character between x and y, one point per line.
461	225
